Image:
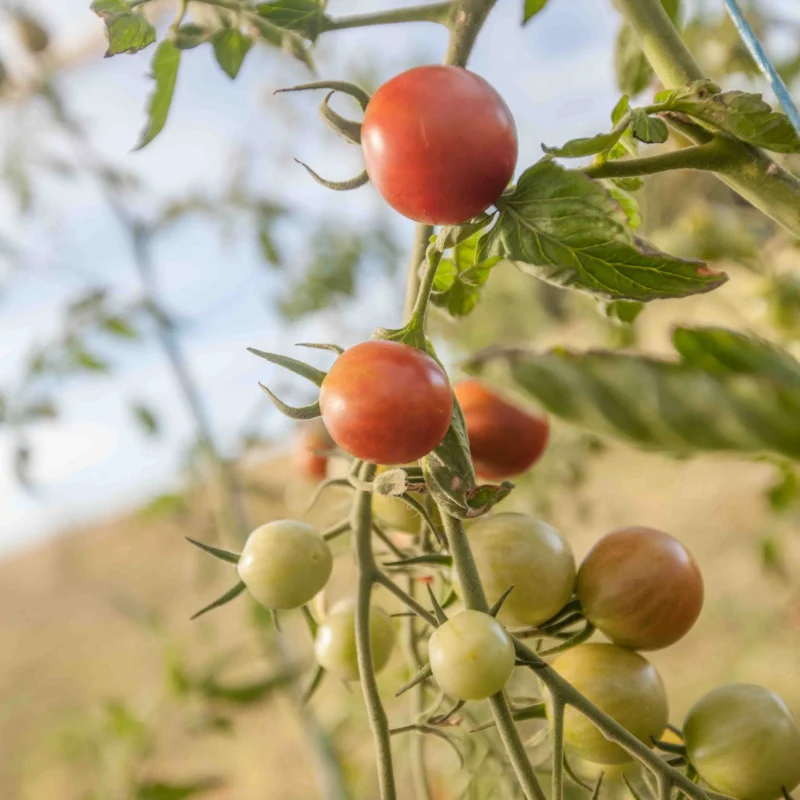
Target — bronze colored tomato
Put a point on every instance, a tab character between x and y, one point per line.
621	683
504	440
744	741
386	402
641	588
310	445
439	143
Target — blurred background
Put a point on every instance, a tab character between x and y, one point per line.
131	283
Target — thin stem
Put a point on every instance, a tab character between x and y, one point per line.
432	259
467	21
434	12
557	735
361	523
403	597
422	235
464	564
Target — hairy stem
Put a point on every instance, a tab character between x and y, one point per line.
433	12
361	523
422	235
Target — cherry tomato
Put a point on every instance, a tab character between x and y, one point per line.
471	655
744	741
386	402
520	551
504	440
641	588
621	683
308	454
439	143
335	643
285	563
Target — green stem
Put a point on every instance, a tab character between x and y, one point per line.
557	737
434	12
422	235
418	313
361	523
712	156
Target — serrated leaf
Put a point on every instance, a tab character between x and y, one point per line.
670	405
633	71
230	48
589	146
164	71
566	229
647	129
741	114
128	31
531	8
305	17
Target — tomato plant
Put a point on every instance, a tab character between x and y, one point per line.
520	551
744	741
471	655
335	643
386	402
641	588
310	450
285	563
440	145
504	439
621	683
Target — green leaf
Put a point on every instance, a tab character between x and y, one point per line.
165	505
446	274
566	229
117	326
164	67
81	358
647	129
305	17
680	407
189	36
628	204
531	8
268	249
175	791
230	48
741	114
785	492
128	31
577	148
289	41
633	70
620	109
624	311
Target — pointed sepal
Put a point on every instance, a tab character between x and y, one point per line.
231	594
217	552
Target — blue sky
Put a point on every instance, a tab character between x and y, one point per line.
556	75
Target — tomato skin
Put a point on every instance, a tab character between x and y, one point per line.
439	143
471	655
621	683
504	440
520	551
386	402
641	588
335	643
285	563
307	454
744	741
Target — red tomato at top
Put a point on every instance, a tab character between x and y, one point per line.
386	402
440	144
504	440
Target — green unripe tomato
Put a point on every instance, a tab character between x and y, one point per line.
520	551
623	685
471	655
335	643
744	741
285	563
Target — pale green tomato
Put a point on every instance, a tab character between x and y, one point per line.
744	741
395	514
623	685
520	551
335	644
285	563
471	655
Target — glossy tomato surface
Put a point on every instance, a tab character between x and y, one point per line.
521	551
744	741
471	655
285	563
440	144
641	588
621	683
335	643
504	440
386	402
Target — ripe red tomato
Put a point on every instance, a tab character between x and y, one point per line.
309	447
386	402
641	588
504	440
439	143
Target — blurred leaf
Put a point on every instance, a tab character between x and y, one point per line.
624	311
230	48
165	505
565	228
42	409
531	8
786	491
175	791
741	114
268	250
81	358
632	68
446	274
247	693
23	458
289	41
190	35
772	557
128	31
304	17
146	418
89	304
122	723
746	400
117	326
576	148
645	128
164	72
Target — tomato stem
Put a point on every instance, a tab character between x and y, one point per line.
432	12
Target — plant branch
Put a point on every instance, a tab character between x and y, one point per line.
422	235
433	12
